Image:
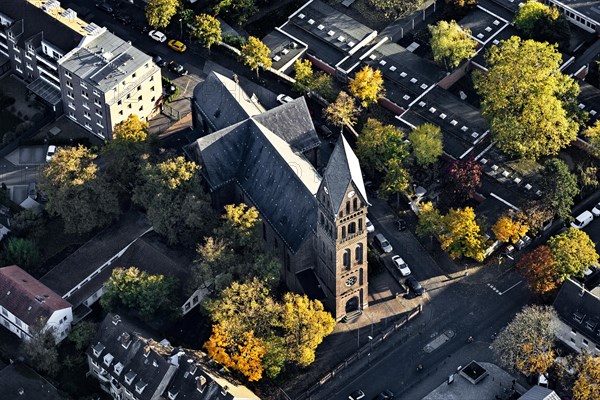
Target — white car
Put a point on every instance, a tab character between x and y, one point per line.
401	265
582	220
383	243
596	210
50	153
158	36
282	98
369	225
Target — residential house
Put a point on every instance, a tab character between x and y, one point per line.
19	382
315	224
539	393
578	310
24	300
130	365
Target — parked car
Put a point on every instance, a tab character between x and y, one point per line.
401	265
122	17
105	7
401	224
283	98
383	243
158	60
356	395
414	285
177	68
385	395
582	220
50	152
596	210
509	251
158	36
369	225
177	45
523	242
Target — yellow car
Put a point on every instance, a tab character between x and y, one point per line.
177	45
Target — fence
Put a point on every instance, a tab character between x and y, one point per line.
361	353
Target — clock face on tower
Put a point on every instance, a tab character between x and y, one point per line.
351	281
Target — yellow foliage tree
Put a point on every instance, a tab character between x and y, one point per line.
367	85
461	236
131	129
508	229
587	385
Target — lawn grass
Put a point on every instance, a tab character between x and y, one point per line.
525	167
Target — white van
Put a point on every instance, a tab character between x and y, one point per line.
582	220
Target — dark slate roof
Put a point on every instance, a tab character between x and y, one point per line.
74	269
589	100
580	309
118	341
223	101
539	393
292	123
482	24
36	20
343	170
19	378
280	181
284	49
26	297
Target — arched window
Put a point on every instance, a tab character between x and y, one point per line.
351	228
355	204
358	254
347	207
343	232
360	224
347	257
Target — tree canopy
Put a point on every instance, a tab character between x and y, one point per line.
207	30
451	44
587	385
76	192
138	291
308	80
40	349
460	235
367	85
255	54
543	23
559	187
160	12
342	111
538	268
462	180
529	104
573	252
526	344
377	144
427	145
510	228
238	10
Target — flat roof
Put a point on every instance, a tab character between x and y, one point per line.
106	60
590	9
320	49
589	100
483	24
283	48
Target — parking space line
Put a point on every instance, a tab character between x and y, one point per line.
512	287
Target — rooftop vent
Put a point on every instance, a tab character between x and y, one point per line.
320	27
373	57
406	97
488	29
285	51
140	386
98	349
453	122
480	36
528	186
593	112
341	39
301	16
577	316
118	368
473	372
392	68
331	33
403	74
276	58
125	339
108	358
382	62
581	105
173	393
413	80
311	21
351	44
422	103
51	5
424	86
464	128
496	22
129	377
432	110
21	391
116	319
443	116
200	383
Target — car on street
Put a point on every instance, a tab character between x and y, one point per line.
122	17
356	395
383	243
284	98
177	68
105	7
177	45
401	265
158	36
385	395
509	251
158	60
582	220
596	210
369	225
414	285
50	152
523	242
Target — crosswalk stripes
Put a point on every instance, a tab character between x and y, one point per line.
494	289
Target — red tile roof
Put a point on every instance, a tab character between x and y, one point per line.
26	297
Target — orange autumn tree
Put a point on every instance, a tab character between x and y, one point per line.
587	385
537	267
244	355
510	229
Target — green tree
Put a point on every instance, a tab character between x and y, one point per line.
367	85
378	144
21	252
160	12
543	23
139	291
592	133
207	30
529	104
175	203
526	344
255	54
393	9
40	349
451	44
76	192
573	252
29	223
83	333
430	220
238	10
559	187
308	80
427	145
342	111
187	15
460	235
396	179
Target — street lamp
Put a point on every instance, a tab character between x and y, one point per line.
180	28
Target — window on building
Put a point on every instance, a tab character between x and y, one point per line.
87	115
360	224
355	204
351	228
585	342
343	232
18	68
152	78
134	75
98	113
152	89
68	74
68	84
120	102
358	254
83	85
140	98
347	207
84	94
346	258
121	112
4	312
139	88
129	106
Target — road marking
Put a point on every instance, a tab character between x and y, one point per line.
512	287
438	341
495	289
